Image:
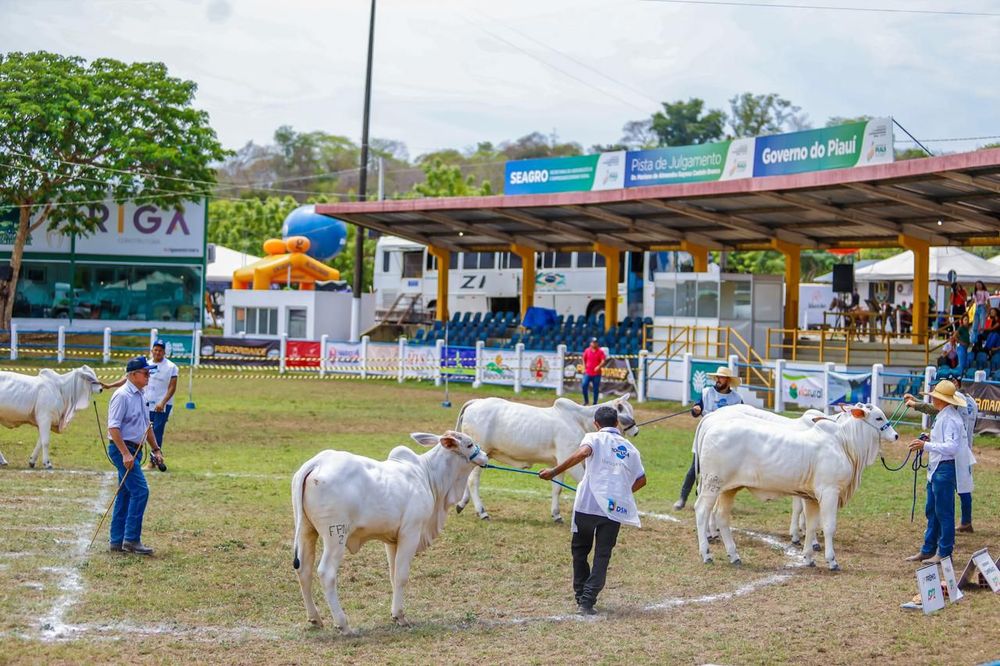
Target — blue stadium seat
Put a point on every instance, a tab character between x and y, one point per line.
995	362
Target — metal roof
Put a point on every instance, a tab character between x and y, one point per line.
947	200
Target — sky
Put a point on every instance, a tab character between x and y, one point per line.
451	73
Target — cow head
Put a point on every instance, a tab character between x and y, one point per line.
874	417
87	385
456	442
626	418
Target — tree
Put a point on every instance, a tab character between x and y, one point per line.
446	180
639	134
686	123
833	121
76	133
756	115
911	154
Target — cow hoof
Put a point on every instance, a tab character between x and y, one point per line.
484	516
458	508
316	623
47	465
797	543
834	567
709	560
557	519
347	631
737	562
816	548
401	621
31	464
810	564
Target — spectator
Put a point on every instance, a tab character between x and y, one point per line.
981	297
964	343
949	353
958	299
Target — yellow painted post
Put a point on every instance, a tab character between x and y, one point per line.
921	270
699	253
612	260
527	276
443	260
792	273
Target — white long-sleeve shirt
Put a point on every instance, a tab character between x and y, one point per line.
947	435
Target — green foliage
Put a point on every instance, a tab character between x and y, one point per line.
756	115
75	132
911	154
446	180
812	263
844	120
685	123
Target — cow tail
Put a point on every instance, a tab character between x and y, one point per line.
698	437
461	413
298	491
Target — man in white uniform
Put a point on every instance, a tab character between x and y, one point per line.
160	390
604	500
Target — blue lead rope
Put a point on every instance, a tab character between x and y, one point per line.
528	471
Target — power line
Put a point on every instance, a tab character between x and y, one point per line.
954	140
839	8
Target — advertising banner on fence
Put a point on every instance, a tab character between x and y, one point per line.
700	378
421	361
850	388
726	160
344	357
582	173
803	387
840	147
616	378
178	348
302	354
542	370
458	363
383	358
499	366
217	350
987	397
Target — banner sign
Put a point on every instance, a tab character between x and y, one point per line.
383	359
850	388
239	351
421	362
616	377
581	173
803	387
178	348
542	370
987	397
840	147
131	229
499	366
700	378
458	363
726	160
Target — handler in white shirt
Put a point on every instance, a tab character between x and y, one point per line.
947	439
604	500
160	390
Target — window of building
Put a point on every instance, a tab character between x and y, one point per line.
584	259
563	260
412	262
256	321
487	259
297	322
470	260
386	261
453	260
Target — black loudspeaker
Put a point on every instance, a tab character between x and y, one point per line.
6	273
843	278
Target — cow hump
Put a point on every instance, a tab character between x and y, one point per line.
403	454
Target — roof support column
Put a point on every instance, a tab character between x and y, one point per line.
792	255
921	270
443	258
527	276
612	263
699	253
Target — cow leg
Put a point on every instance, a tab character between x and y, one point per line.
42	446
793	528
828	505
306	550
703	508
333	555
390	556
713	526
723	512
473	488
556	492
405	551
812	518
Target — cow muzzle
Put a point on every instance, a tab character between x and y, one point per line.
478	457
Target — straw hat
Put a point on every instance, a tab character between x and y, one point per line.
724	371
945	390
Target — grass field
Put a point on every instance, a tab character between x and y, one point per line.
221	588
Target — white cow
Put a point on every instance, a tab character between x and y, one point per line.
349	499
522	435
823	465
47	401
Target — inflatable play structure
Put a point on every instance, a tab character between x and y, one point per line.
287	263
327	236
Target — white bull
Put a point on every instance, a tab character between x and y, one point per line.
823	465
47	401
349	499
523	435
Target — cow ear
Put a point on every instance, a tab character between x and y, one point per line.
858	412
425	439
449	441
625	397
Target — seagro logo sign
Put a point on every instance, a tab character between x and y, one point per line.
530	176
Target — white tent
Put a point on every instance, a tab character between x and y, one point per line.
967	266
995	260
227	261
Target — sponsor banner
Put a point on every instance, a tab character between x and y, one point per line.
178	348
803	387
302	354
700	378
840	147
458	363
239	351
616	377
725	160
500	366
131	229
850	388
987	397
421	361
582	173
343	357
383	359
542	370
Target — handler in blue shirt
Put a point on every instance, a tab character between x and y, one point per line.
128	424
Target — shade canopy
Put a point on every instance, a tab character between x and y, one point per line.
967	266
226	262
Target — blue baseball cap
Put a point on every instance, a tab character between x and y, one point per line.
160	343
138	363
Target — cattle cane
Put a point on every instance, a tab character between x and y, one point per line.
663	418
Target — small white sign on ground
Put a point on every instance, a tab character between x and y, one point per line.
988	568
948	570
929	584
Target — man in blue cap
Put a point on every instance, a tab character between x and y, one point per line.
160	391
128	425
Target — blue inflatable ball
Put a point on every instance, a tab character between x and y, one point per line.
327	236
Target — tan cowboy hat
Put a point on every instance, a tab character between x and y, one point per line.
724	371
945	390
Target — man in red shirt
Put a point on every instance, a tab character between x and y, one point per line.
594	359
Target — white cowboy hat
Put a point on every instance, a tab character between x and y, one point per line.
724	371
945	390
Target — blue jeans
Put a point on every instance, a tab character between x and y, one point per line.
588	381
965	499
159	421
963	358
978	322
940	511
130	505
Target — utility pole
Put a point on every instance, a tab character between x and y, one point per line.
359	239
